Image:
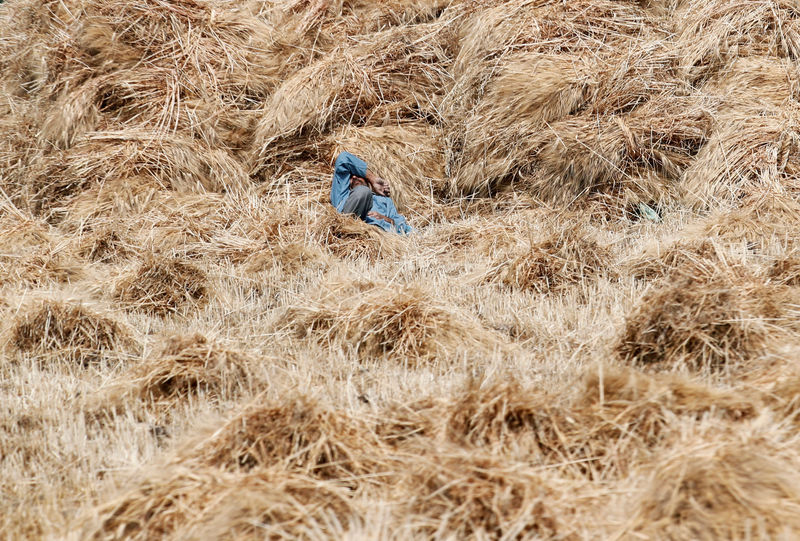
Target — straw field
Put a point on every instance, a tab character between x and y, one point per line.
593	332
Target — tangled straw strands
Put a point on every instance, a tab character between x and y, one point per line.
770	81
748	152
182	503
693	256
380	321
187	366
785	269
349	237
498	135
478	497
292	434
762	220
402	65
31	252
730	490
173	162
56	330
163	285
598	427
556	261
705	323
711	34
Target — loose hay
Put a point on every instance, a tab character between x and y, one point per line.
556	262
731	490
703	323
181	503
403	323
163	285
190	365
62	330
294	434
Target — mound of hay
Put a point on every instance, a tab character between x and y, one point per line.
351	238
555	262
189	365
764	221
710	35
768	80
375	321
163	285
105	245
180	503
64	330
34	254
173	162
292	257
731	490
695	256
295	434
749	151
786	269
470	496
703	323
399	68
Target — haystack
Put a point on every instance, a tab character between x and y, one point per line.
765	221
33	253
522	68
712	34
351	238
189	365
750	151
626	394
65	330
472	496
704	323
401	66
182	503
774	82
730	490
558	260
698	256
383	321
295	434
785	269
173	162
163	285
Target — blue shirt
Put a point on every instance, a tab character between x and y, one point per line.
348	165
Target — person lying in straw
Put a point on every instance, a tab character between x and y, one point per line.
357	190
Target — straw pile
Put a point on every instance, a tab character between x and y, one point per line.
732	490
294	434
189	365
163	285
702	323
383	321
588	336
556	262
62	330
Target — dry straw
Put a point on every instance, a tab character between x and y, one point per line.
163	285
703	323
385	321
55	331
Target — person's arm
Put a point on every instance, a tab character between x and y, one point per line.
395	218
347	165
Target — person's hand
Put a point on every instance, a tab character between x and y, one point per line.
379	185
379	216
